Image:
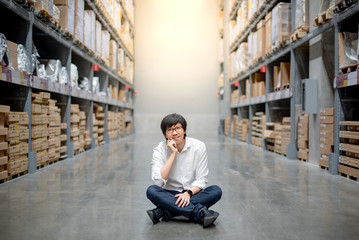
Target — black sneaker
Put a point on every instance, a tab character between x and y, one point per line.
156	215
207	217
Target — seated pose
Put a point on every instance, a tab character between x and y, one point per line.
179	174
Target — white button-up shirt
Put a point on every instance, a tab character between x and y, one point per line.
189	169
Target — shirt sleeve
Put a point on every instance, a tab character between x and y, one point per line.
201	169
158	160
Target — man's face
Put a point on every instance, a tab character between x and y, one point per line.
176	133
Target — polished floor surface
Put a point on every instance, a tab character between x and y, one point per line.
100	194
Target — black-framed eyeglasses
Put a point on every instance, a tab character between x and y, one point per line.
171	130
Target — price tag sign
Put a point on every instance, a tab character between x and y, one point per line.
15	76
22	78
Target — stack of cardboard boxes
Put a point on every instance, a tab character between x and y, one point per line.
63	139
227	125
258	127
278	138
75	127
285	135
303	131
54	137
3	143
39	127
67	14
326	135
99	119
269	135
234	126
349	149
112	125
281	76
281	24
243	129
128	116
235	96
82	131
18	134
121	119
258	84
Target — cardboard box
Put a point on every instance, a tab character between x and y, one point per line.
12	48
303	144
261	36
326	119
285	73
327	112
67	19
327	141
303	154
268	38
4	109
326	127
281	24
276	77
326	149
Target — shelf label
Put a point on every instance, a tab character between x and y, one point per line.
15	76
22	78
352	78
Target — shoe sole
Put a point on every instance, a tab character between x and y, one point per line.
150	214
207	221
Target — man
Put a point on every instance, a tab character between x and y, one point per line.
179	174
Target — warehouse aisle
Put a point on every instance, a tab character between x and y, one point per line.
101	195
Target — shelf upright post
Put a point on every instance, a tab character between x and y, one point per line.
292	147
90	114
106	135
69	144
32	154
334	157
250	114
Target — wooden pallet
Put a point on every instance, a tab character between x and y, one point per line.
324	167
16	175
349	69
323	17
285	86
278	47
348	172
303	159
299	33
341	5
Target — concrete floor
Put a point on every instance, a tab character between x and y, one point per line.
101	195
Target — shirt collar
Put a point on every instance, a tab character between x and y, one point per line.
187	144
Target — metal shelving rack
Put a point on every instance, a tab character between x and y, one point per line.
14	79
293	94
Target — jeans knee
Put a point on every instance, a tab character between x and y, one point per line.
151	191
217	191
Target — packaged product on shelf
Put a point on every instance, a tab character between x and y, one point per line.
84	83
67	18
302	14
74	76
281	24
98	49
96	85
56	13
35	63
348	49
63	76
3	47
53	70
23	59
261	35
113	53
268	30
106	47
12	54
90	29
79	20
44	6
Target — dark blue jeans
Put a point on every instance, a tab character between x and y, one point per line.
165	200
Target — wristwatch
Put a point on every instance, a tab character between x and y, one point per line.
189	192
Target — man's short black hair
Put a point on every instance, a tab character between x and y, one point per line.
171	120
